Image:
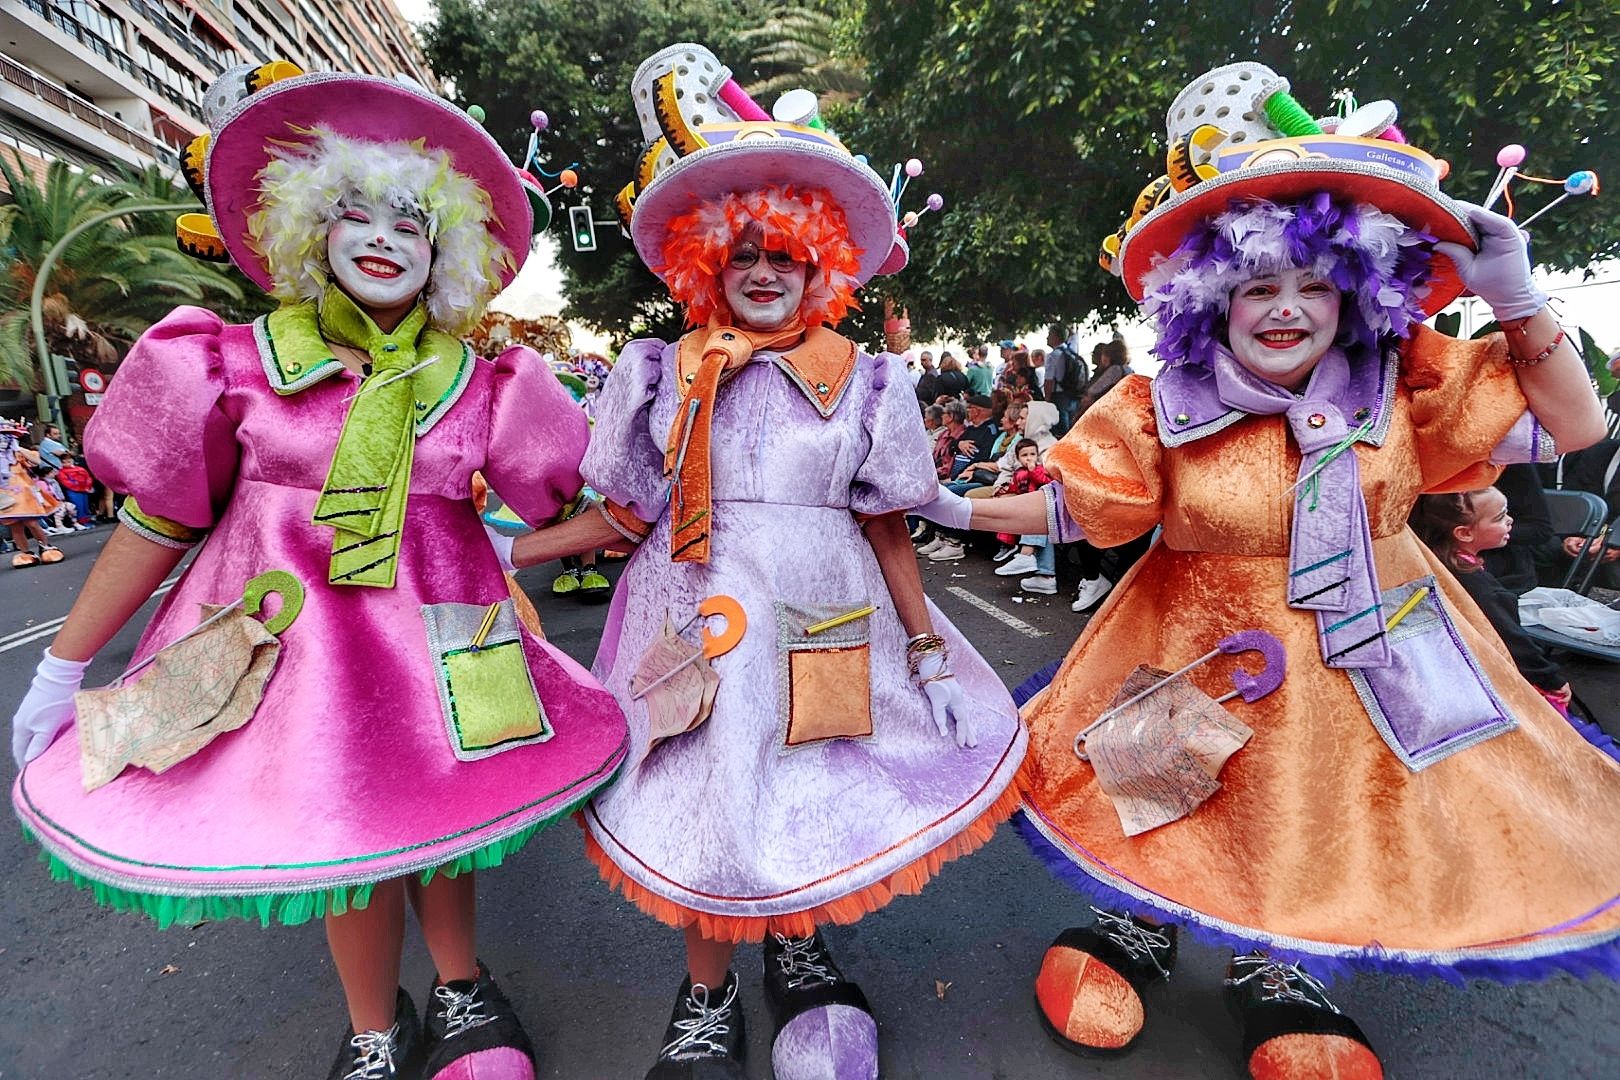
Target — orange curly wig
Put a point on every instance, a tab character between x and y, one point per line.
804	222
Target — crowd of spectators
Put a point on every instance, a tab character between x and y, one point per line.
44	472
991	427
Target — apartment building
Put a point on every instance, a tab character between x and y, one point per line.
104	82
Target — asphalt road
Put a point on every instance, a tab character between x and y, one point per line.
88	993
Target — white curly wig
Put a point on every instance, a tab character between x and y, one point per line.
302	190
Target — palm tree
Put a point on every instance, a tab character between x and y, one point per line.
803	46
110	284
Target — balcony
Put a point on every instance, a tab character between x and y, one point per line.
154	14
76	30
59	97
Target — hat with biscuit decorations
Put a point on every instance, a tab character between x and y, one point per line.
706	137
1237	133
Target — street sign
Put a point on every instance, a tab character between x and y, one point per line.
92	381
93	399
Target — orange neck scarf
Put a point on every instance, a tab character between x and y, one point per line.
686	458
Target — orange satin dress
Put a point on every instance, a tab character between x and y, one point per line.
1320	840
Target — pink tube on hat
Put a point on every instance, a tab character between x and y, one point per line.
738	101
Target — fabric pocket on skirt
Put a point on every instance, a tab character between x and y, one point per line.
1433	699
824	672
486	690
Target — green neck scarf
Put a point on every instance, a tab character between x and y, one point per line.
363	498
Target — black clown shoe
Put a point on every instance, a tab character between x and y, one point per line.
705	1039
471	1031
1291	1031
1088	993
381	1055
824	1027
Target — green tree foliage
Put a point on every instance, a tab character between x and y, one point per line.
809	47
1040	120
112	282
574	59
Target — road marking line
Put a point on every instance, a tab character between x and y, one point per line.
51	626
994	612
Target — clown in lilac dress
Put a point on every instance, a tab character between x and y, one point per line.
347	774
820	787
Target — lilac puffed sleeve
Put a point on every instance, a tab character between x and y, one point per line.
625	462
898	472
161	434
537	435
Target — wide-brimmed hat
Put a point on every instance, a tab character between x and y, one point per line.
279	107
1235	133
706	138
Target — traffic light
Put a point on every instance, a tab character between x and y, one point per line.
582	228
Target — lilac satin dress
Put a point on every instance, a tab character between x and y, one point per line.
820	773
346	774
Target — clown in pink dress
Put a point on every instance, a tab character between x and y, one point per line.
407	729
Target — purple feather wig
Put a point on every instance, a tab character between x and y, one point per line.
1375	260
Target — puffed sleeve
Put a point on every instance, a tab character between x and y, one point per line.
625	462
536	437
1111	466
1469	416
161	434
898	471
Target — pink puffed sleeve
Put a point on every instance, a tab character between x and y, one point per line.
898	471
161	434
625	463
537	434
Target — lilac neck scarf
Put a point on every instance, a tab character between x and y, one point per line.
1330	557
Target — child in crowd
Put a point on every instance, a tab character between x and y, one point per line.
77	484
1460	528
64	518
1035	553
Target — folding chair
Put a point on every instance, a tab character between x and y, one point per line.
1579	513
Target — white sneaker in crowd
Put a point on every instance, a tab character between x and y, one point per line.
1045	584
1091	591
1018	564
52	530
948	551
1007	551
921	530
932	546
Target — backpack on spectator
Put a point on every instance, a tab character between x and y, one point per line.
1075	373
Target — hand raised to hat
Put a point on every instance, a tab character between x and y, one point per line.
1499	272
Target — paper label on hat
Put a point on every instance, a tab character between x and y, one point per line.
1158	758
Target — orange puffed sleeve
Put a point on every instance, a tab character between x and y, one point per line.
1110	464
1465	400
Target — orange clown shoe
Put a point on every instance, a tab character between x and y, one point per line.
1089	990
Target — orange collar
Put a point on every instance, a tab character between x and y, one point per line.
820	365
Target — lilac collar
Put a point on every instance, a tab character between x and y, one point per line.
1189	404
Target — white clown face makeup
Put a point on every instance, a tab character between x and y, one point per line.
1280	325
763	288
379	254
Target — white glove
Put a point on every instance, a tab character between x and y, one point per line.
46	707
945	697
1499	273
503	548
947	508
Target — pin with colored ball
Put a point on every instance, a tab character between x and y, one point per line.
1508	160
476	112
914	167
1581	182
936	202
861	158
909	220
539	120
568	178
1510	156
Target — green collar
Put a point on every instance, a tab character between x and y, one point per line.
295	356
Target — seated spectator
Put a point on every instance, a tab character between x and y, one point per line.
77	484
1533	549
933	420
1596	470
1035	556
1459	528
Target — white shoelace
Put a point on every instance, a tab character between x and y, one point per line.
374	1054
802	963
1280	981
699	1034
1138	941
461	1011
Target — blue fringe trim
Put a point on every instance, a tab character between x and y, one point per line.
1600	959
